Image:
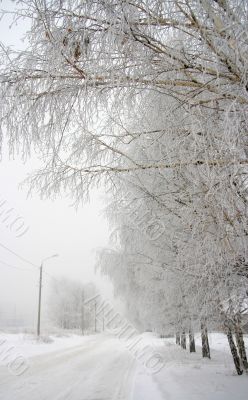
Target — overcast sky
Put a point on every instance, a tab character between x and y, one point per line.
52	226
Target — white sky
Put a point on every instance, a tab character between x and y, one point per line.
54	227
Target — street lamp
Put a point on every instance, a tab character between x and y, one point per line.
40	287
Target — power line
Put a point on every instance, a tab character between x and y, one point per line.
20	257
25	269
29	270
25	260
13	266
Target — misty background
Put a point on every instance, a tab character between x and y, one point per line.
52	227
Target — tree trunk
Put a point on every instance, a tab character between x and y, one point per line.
234	352
183	340
240	342
191	341
178	338
205	342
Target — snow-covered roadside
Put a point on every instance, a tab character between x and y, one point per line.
218	341
189	377
28	346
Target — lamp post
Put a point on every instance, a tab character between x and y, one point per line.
40	288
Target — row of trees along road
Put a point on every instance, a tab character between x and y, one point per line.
148	98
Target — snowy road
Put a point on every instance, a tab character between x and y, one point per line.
101	369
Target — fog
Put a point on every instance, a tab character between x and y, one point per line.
48	228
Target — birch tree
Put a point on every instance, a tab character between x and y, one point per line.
148	98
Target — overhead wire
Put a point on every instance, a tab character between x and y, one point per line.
14	267
24	260
17	255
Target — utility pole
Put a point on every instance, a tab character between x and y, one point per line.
40	288
39	305
82	314
103	322
95	314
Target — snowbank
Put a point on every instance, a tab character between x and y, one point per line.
28	346
187	376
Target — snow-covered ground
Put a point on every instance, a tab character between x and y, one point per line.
98	368
187	376
101	367
28	346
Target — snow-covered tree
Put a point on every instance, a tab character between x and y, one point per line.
66	305
150	98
